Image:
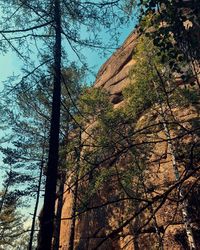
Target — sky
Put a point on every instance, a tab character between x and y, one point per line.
9	66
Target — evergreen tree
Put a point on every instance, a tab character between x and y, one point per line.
11	221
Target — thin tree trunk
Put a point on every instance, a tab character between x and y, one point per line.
36	204
47	221
75	196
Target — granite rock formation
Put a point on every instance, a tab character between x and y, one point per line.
113	76
93	226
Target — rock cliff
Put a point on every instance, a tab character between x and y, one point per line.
114	225
113	76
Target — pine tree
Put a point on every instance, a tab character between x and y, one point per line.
11	222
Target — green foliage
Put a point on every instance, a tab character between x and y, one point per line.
154	78
191	95
185	97
93	104
141	94
168	21
11	222
112	132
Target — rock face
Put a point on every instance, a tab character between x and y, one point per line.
113	76
93	226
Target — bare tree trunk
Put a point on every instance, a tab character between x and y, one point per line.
75	196
47	221
36	204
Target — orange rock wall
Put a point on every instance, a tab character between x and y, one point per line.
94	225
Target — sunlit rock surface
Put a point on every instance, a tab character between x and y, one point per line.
93	226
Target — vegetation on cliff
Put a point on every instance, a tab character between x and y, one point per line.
124	167
122	147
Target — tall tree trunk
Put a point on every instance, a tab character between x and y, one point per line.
47	221
36	204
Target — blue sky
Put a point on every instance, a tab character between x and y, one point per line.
10	65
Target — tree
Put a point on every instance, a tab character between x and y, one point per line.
30	128
175	30
11	221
